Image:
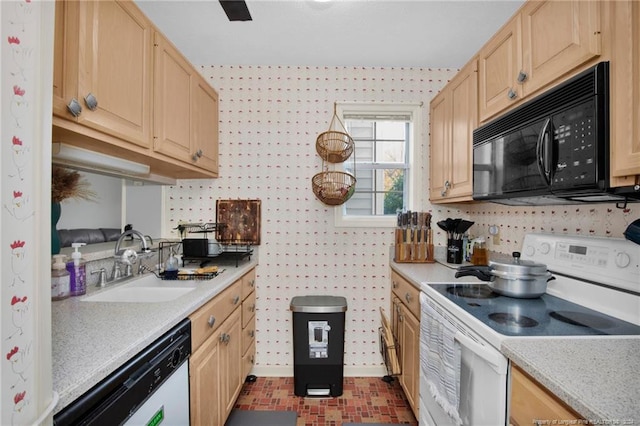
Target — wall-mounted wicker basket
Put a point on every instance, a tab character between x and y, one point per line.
333	187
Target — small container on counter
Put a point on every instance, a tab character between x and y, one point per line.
479	256
77	271
60	278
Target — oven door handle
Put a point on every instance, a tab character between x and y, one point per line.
494	358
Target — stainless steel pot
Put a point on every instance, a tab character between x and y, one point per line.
517	278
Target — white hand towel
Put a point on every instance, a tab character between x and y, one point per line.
440	353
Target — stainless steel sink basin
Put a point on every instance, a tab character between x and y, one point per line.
146	289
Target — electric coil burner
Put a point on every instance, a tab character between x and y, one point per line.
513	320
479	291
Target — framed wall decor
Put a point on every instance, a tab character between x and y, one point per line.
240	220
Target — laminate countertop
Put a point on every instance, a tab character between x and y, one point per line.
90	340
599	377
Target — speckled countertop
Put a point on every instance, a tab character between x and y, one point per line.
598	377
91	339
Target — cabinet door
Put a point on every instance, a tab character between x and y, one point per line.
115	67
65	57
410	356
557	37
464	119
205	371
231	362
499	63
439	146
625	93
172	101
204	125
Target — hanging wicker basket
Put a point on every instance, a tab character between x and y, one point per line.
335	145
333	187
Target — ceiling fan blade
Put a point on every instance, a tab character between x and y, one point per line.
236	10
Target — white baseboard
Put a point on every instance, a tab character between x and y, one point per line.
287	371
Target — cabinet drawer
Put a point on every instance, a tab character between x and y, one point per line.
407	293
248	309
248	335
248	283
248	360
209	317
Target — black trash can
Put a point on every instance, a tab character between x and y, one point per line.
318	345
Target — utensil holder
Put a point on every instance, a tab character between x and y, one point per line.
454	251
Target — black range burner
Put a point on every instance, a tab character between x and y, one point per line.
473	291
582	319
513	320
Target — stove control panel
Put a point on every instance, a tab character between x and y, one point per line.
611	261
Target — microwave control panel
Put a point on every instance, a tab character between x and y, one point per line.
574	135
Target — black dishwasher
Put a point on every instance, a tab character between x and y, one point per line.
144	380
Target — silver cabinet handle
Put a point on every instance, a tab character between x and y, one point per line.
252	308
395	284
512	94
522	77
447	186
236	300
252	360
252	333
91	101
197	155
74	107
212	320
224	338
252	283
408	298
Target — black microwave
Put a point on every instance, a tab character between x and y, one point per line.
553	149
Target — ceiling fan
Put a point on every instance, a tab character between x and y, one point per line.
236	10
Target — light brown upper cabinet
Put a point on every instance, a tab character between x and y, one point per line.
102	69
543	42
453	116
625	93
185	109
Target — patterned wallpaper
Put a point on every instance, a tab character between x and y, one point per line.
270	117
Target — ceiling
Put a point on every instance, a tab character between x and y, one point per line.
372	33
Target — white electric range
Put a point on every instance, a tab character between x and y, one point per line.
596	293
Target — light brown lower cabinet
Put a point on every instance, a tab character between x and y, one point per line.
223	351
405	326
533	404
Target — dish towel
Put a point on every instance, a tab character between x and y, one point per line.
440	354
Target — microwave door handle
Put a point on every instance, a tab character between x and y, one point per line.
494	358
541	151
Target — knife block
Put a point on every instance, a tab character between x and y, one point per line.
413	246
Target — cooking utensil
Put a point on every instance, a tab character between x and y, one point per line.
463	226
518	278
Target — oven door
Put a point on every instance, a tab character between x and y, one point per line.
483	380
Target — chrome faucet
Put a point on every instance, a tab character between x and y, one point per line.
132	232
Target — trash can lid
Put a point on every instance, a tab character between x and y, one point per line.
318	304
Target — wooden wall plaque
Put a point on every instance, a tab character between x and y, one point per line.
240	220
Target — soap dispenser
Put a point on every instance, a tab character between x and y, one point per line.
77	271
171	266
59	278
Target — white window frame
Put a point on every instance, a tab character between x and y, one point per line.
341	220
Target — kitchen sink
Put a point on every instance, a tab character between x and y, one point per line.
146	289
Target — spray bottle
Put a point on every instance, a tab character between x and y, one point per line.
78	271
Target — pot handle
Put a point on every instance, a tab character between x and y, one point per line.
551	278
481	272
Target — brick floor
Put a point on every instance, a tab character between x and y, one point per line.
364	399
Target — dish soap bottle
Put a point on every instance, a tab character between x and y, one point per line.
60	279
171	266
78	271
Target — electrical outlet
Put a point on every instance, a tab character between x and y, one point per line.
494	231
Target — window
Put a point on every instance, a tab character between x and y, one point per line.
385	138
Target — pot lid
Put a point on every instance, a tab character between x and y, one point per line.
518	267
